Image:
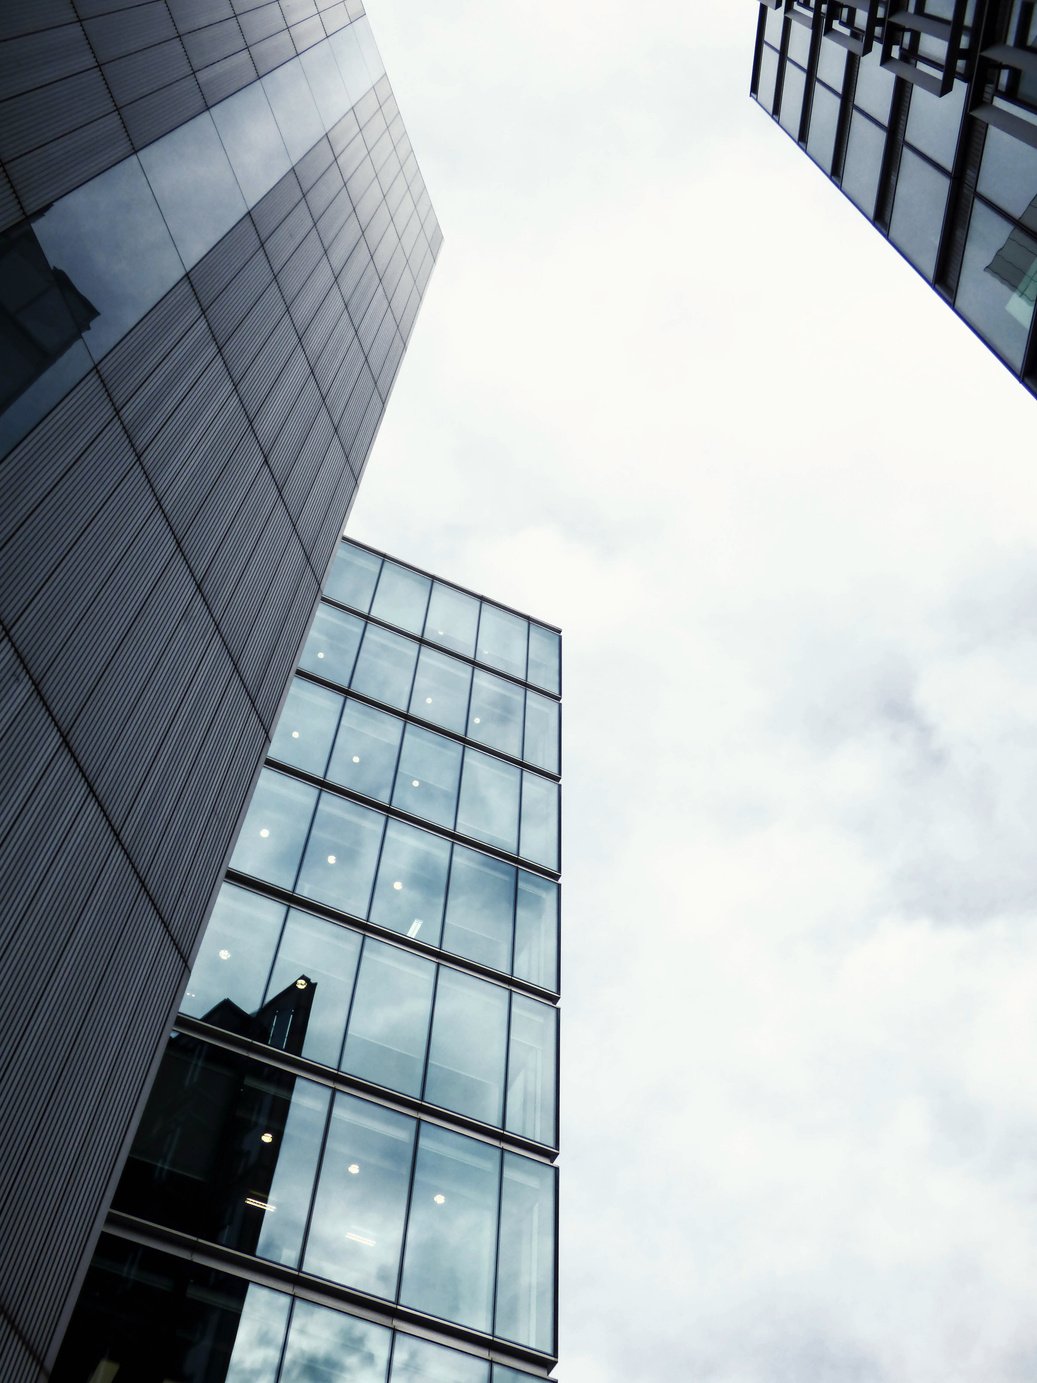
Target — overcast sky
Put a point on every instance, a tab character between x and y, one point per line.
670	391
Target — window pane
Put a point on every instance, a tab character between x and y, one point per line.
306	727
545	658
998	282
427	777
466	1056
874	90
536	930
295	1151
539	820
448	1263
249	133
326	955
411	882
541	743
933	122
831	64
502	640
526	1261
385	667
330	650
532	1064
495	715
353	576
452	619
420	1361
274	832
330	1347
917	220
863	160
366	750
489	800
357	1224
401	597
194	186
341	855
792	95
824	114
441	690
388	1024
768	78
236	953
1008	173
480	908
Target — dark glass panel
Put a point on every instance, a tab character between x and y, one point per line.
998	284
236	953
326	956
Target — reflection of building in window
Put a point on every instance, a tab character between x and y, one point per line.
1015	265
42	313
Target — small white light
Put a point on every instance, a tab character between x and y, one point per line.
415	783
295	734
264	832
360	1239
478	721
320	655
331	859
266	1137
356	758
300	984
428	701
415	927
439	1198
260	1205
224	955
397	885
353	1168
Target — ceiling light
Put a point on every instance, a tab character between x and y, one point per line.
321	654
360	1239
331	859
260	1205
415	782
397	885
415	927
439	1198
266	1137
353	1168
356	758
224	955
295	734
478	720
264	832
428	701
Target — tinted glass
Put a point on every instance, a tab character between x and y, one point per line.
236	953
420	1361
545	658
448	1264
327	956
331	1347
341	855
441	690
332	645
539	835
366	750
998	282
792	91
526	1261
933	122
385	668
467	1051
917	220
532	1066
863	160
453	618
502	640
389	1021
488	808
361	1200
274	832
536	930
306	727
1008	174
427	777
542	732
824	113
495	713
401	597
194	186
353	577
480	908
874	90
249	133
411	885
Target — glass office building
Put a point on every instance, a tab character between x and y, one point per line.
214	241
345	1168
925	114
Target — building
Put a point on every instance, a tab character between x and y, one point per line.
345	1168
214	240
926	116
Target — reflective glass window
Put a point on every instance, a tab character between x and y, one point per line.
427	776
307	726
331	647
194	185
824	114
441	690
252	140
545	658
341	855
358	1212
536	930
236	953
353	577
541	743
330	1347
1008	173
502	640
768	78
257	1341
467	1051
831	63
933	122
421	1361
773	20
863	160
998	283
294	108
411	885
346	47
366	750
326	955
532	1070
274	832
480	908
448	1261
295	1150
326	84
539	836
792	91
526	1261
495	713
385	667
921	198
389	1020
874	90
401	597
453	618
489	802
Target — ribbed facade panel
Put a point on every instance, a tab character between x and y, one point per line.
164	530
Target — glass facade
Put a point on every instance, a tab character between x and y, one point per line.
926	117
358	1107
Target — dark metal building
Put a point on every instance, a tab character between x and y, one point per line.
214	240
345	1168
925	114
